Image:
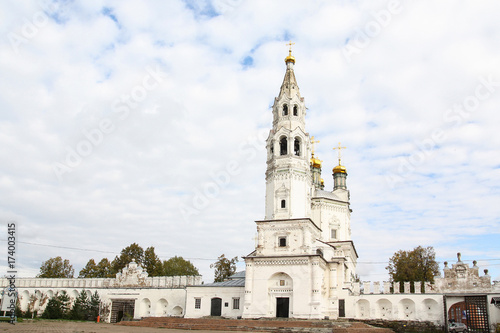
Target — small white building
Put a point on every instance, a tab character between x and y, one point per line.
217	299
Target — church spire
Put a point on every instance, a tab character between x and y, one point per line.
289	88
288	174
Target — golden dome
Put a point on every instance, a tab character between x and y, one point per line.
290	58
316	163
339	169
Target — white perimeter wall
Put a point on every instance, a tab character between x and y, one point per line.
419	307
149	302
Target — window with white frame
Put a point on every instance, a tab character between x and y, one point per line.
236	303
197	303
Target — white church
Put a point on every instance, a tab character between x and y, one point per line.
304	263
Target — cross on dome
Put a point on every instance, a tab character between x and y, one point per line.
290	58
312	144
339	148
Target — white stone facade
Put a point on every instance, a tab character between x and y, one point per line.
150	296
304	261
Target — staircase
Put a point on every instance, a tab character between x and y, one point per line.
257	325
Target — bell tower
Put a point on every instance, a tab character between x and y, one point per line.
304	260
288	151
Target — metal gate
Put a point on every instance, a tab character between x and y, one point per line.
477	313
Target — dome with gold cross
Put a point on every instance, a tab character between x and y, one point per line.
290	58
315	162
339	168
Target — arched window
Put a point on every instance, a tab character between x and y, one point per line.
296	147
285	110
283	203
272	147
295	110
283	146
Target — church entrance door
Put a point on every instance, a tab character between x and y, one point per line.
341	307
282	307
216	307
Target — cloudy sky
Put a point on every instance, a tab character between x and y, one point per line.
128	121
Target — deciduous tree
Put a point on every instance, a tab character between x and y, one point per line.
100	270
178	266
89	271
224	268
418	264
56	268
104	269
152	264
133	251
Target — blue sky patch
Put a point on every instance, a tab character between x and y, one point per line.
247	62
106	11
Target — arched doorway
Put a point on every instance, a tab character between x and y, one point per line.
457	313
216	307
280	289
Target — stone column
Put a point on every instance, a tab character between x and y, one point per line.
387	287
407	287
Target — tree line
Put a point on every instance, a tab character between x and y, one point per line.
176	266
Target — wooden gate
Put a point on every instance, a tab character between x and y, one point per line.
122	309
